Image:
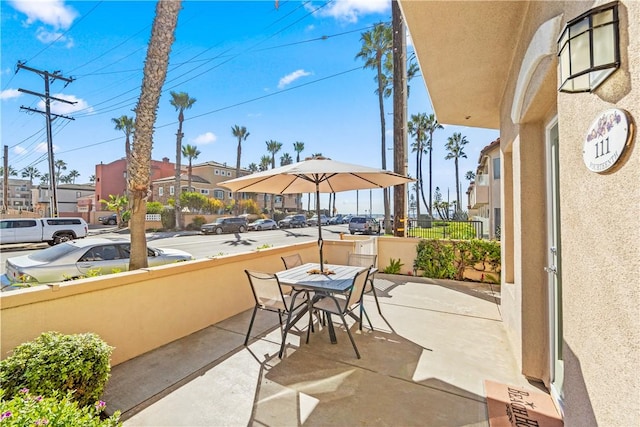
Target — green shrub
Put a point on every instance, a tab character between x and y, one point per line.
59	363
394	266
25	409
481	255
197	222
154	207
168	218
436	259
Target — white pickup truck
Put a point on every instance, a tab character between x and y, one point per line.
50	230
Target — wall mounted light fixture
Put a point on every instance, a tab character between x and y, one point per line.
589	49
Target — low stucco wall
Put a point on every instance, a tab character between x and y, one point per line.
138	311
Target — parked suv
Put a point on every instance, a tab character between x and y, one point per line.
292	221
364	225
225	225
314	220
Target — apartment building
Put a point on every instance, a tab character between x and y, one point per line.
484	191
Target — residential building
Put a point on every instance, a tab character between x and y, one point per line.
68	196
561	81
111	178
484	191
18	194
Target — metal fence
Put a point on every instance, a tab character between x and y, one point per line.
439	229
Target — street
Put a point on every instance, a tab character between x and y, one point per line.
201	246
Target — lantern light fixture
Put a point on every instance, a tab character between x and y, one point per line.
589	49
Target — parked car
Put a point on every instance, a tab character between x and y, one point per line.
81	258
35	230
364	225
292	221
235	224
263	224
337	219
109	219
346	218
313	221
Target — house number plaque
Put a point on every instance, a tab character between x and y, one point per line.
607	138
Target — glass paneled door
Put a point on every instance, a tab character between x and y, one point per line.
554	265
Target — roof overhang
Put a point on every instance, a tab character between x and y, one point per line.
465	50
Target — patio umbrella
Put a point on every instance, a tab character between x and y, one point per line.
315	175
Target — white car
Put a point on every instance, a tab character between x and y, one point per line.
263	224
81	258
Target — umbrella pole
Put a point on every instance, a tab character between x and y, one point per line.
319	226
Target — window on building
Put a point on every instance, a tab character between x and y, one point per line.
216	172
172	191
160	191
204	191
218	194
228	173
496	168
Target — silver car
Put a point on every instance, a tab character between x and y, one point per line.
81	258
364	225
263	224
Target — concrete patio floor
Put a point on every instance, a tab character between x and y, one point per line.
424	364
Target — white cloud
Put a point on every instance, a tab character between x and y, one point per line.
50	12
63	108
9	94
205	138
42	148
292	77
19	150
351	10
46	37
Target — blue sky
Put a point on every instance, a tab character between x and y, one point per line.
287	73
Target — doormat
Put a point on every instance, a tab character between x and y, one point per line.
511	406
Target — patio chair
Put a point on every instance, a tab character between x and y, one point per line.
292	261
345	304
269	295
364	260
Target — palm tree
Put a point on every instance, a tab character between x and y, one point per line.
432	126
117	204
180	101
73	174
298	147
241	133
377	49
252	167
273	147
418	129
127	125
455	147
155	72
44	179
190	152
60	166
31	172
470	176
92	179
10	171
285	159
265	161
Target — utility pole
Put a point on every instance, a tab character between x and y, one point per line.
5	179
53	187
399	118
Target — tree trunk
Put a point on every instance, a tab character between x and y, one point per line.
176	191
399	119
387	214
155	72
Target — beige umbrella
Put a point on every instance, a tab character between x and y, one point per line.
319	175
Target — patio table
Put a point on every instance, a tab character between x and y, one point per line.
339	280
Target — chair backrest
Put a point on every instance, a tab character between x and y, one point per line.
266	290
357	290
292	261
362	260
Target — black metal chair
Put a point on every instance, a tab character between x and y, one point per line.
269	295
365	260
345	304
292	261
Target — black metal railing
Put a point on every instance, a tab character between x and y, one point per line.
440	229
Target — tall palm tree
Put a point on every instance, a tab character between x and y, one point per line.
60	166
127	125
31	172
418	129
298	147
265	161
241	133
273	147
432	126
44	179
11	171
252	167
455	147
180	101
155	72
73	174
286	159
190	152
377	45
92	179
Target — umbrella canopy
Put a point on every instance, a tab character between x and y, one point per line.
315	175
